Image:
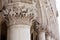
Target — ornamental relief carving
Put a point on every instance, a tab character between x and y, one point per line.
20	13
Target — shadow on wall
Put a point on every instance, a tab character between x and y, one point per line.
3	31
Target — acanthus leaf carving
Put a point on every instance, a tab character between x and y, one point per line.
20	12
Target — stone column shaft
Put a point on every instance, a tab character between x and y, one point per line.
19	32
42	35
48	37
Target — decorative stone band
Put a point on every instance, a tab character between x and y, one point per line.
19	26
13	1
20	13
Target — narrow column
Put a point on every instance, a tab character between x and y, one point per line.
40	30
48	37
42	35
52	38
19	20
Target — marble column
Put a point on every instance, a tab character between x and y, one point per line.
48	37
19	32
52	38
40	30
42	35
19	20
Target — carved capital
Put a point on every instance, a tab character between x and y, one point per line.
20	13
37	26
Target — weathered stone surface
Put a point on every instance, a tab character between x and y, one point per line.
40	15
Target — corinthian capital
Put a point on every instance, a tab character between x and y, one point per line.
19	13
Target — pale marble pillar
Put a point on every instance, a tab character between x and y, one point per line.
19	20
42	35
52	38
40	31
19	32
48	37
